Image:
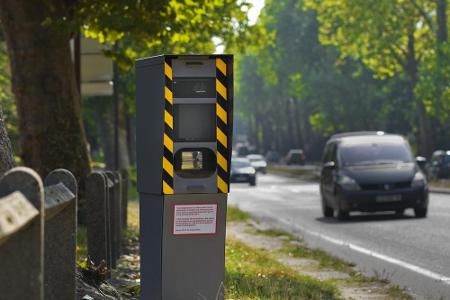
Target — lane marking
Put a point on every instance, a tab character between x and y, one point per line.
395	261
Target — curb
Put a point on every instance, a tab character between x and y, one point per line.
439	190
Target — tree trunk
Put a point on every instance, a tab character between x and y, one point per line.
297	121
123	162
442	30
105	129
124	157
290	137
425	140
6	154
43	82
131	138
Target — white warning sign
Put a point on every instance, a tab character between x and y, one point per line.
191	219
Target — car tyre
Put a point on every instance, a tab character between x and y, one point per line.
342	214
327	211
252	182
420	212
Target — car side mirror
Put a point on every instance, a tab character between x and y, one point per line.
329	165
422	162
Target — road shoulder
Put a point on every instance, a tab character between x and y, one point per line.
295	253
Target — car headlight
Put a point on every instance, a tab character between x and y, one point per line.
418	180
348	183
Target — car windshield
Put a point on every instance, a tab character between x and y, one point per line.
236	164
374	153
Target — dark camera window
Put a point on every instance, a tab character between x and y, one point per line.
194	87
194	122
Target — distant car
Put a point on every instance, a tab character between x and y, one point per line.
371	172
272	156
439	166
258	162
242	171
295	157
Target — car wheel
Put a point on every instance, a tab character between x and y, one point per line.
326	210
399	212
342	214
420	212
252	182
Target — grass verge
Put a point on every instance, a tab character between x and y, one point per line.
305	174
250	273
294	247
253	274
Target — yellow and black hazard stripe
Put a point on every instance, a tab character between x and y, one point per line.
167	163
222	126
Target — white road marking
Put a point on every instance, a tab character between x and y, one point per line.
406	265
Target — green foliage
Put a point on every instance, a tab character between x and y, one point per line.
297	89
6	99
395	38
341	65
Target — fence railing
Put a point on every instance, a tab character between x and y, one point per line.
38	230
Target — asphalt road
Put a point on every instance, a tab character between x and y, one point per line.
414	253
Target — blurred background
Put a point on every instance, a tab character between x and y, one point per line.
304	70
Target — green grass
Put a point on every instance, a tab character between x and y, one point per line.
297	250
303	174
396	292
325	260
253	274
276	233
237	215
81	246
132	187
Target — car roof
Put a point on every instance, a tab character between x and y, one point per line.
366	137
255	156
240	159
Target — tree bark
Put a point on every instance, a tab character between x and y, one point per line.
43	82
442	30
131	138
124	157
6	154
103	107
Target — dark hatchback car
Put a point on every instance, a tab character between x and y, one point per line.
242	171
368	172
439	166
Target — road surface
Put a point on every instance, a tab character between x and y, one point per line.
414	253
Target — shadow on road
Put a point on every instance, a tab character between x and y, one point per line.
375	217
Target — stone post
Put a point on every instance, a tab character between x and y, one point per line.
113	208
124	199
60	235
21	235
118	216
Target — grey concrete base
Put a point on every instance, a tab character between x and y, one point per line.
180	267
